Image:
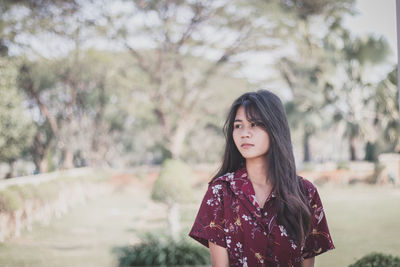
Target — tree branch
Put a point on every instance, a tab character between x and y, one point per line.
29	89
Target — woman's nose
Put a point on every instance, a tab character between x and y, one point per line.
246	132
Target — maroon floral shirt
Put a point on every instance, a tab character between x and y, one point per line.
230	217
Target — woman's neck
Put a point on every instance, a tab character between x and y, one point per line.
257	170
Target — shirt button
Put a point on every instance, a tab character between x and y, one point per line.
265	233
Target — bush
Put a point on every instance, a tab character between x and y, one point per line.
376	259
25	192
9	202
173	183
379	167
155	251
343	165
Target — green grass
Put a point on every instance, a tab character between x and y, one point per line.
83	237
361	219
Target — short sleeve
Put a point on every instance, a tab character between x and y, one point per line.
209	222
319	239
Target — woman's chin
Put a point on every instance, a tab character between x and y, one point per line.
250	156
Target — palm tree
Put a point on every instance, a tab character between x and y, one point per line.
387	112
351	93
306	75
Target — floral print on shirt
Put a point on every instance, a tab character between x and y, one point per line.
230	216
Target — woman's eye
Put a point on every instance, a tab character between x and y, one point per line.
253	124
237	126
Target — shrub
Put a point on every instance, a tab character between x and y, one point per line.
155	251
173	183
376	259
343	165
379	167
9	202
25	192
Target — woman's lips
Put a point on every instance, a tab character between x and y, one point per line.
247	145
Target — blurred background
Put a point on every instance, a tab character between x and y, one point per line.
111	116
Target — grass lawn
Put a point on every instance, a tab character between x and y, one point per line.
361	219
83	237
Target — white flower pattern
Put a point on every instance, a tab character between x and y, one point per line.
243	261
283	230
229	217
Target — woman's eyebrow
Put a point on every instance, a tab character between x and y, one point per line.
237	120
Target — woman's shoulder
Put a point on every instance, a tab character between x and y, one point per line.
308	185
223	179
217	187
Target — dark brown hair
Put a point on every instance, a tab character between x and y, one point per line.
266	109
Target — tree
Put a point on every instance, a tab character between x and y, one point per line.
352	94
307	73
16	126
30	17
73	98
178	34
173	187
387	113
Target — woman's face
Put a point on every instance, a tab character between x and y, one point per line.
251	140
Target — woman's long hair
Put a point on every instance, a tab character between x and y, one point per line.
266	109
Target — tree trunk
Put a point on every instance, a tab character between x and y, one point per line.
10	173
306	146
39	150
174	220
68	162
352	148
43	166
178	140
40	162
30	90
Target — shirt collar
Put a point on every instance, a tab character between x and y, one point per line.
241	184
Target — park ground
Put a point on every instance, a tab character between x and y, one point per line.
362	219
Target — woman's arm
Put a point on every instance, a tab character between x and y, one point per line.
219	255
309	262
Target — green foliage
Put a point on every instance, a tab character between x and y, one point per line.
355	58
41	17
156	251
376	259
133	105
173	183
12	197
26	192
9	201
379	167
304	9
387	107
369	49
343	165
16	128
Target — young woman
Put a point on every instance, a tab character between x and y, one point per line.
257	211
